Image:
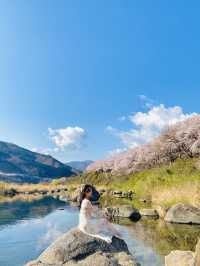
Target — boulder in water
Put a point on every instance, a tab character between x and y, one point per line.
182	213
197	254
149	212
77	248
180	258
184	258
124	211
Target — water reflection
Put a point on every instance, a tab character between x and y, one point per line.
160	237
13	211
27	228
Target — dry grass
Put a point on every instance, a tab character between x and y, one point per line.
187	193
27	198
30	187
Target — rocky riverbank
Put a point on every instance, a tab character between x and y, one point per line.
13	192
178	213
76	248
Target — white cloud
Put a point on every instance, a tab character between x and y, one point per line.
63	138
147	125
69	137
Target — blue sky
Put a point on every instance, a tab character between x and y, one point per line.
74	75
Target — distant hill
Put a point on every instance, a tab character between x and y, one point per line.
181	140
21	165
79	166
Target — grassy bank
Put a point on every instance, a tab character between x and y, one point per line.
165	185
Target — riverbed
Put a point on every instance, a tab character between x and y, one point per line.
28	227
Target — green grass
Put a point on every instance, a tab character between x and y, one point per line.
168	176
166	184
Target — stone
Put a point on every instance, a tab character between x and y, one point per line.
125	211
197	254
63	198
125	260
184	258
117	192
182	213
27	192
180	258
9	192
106	259
127	194
76	248
149	212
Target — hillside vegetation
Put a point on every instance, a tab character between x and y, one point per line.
21	165
165	184
182	140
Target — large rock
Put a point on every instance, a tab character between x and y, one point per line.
124	211
197	254
149	212
106	259
77	248
180	258
184	258
182	213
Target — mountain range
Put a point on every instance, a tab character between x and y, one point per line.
22	165
181	140
79	166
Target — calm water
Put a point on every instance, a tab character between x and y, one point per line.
27	228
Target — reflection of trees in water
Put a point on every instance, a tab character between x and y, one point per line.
11	212
164	237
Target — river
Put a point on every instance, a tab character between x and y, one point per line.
28	227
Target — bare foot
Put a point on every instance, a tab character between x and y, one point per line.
109	241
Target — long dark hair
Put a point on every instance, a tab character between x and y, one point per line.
85	189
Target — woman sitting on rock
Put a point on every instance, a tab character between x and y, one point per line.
92	220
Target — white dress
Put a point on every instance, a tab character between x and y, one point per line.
92	222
